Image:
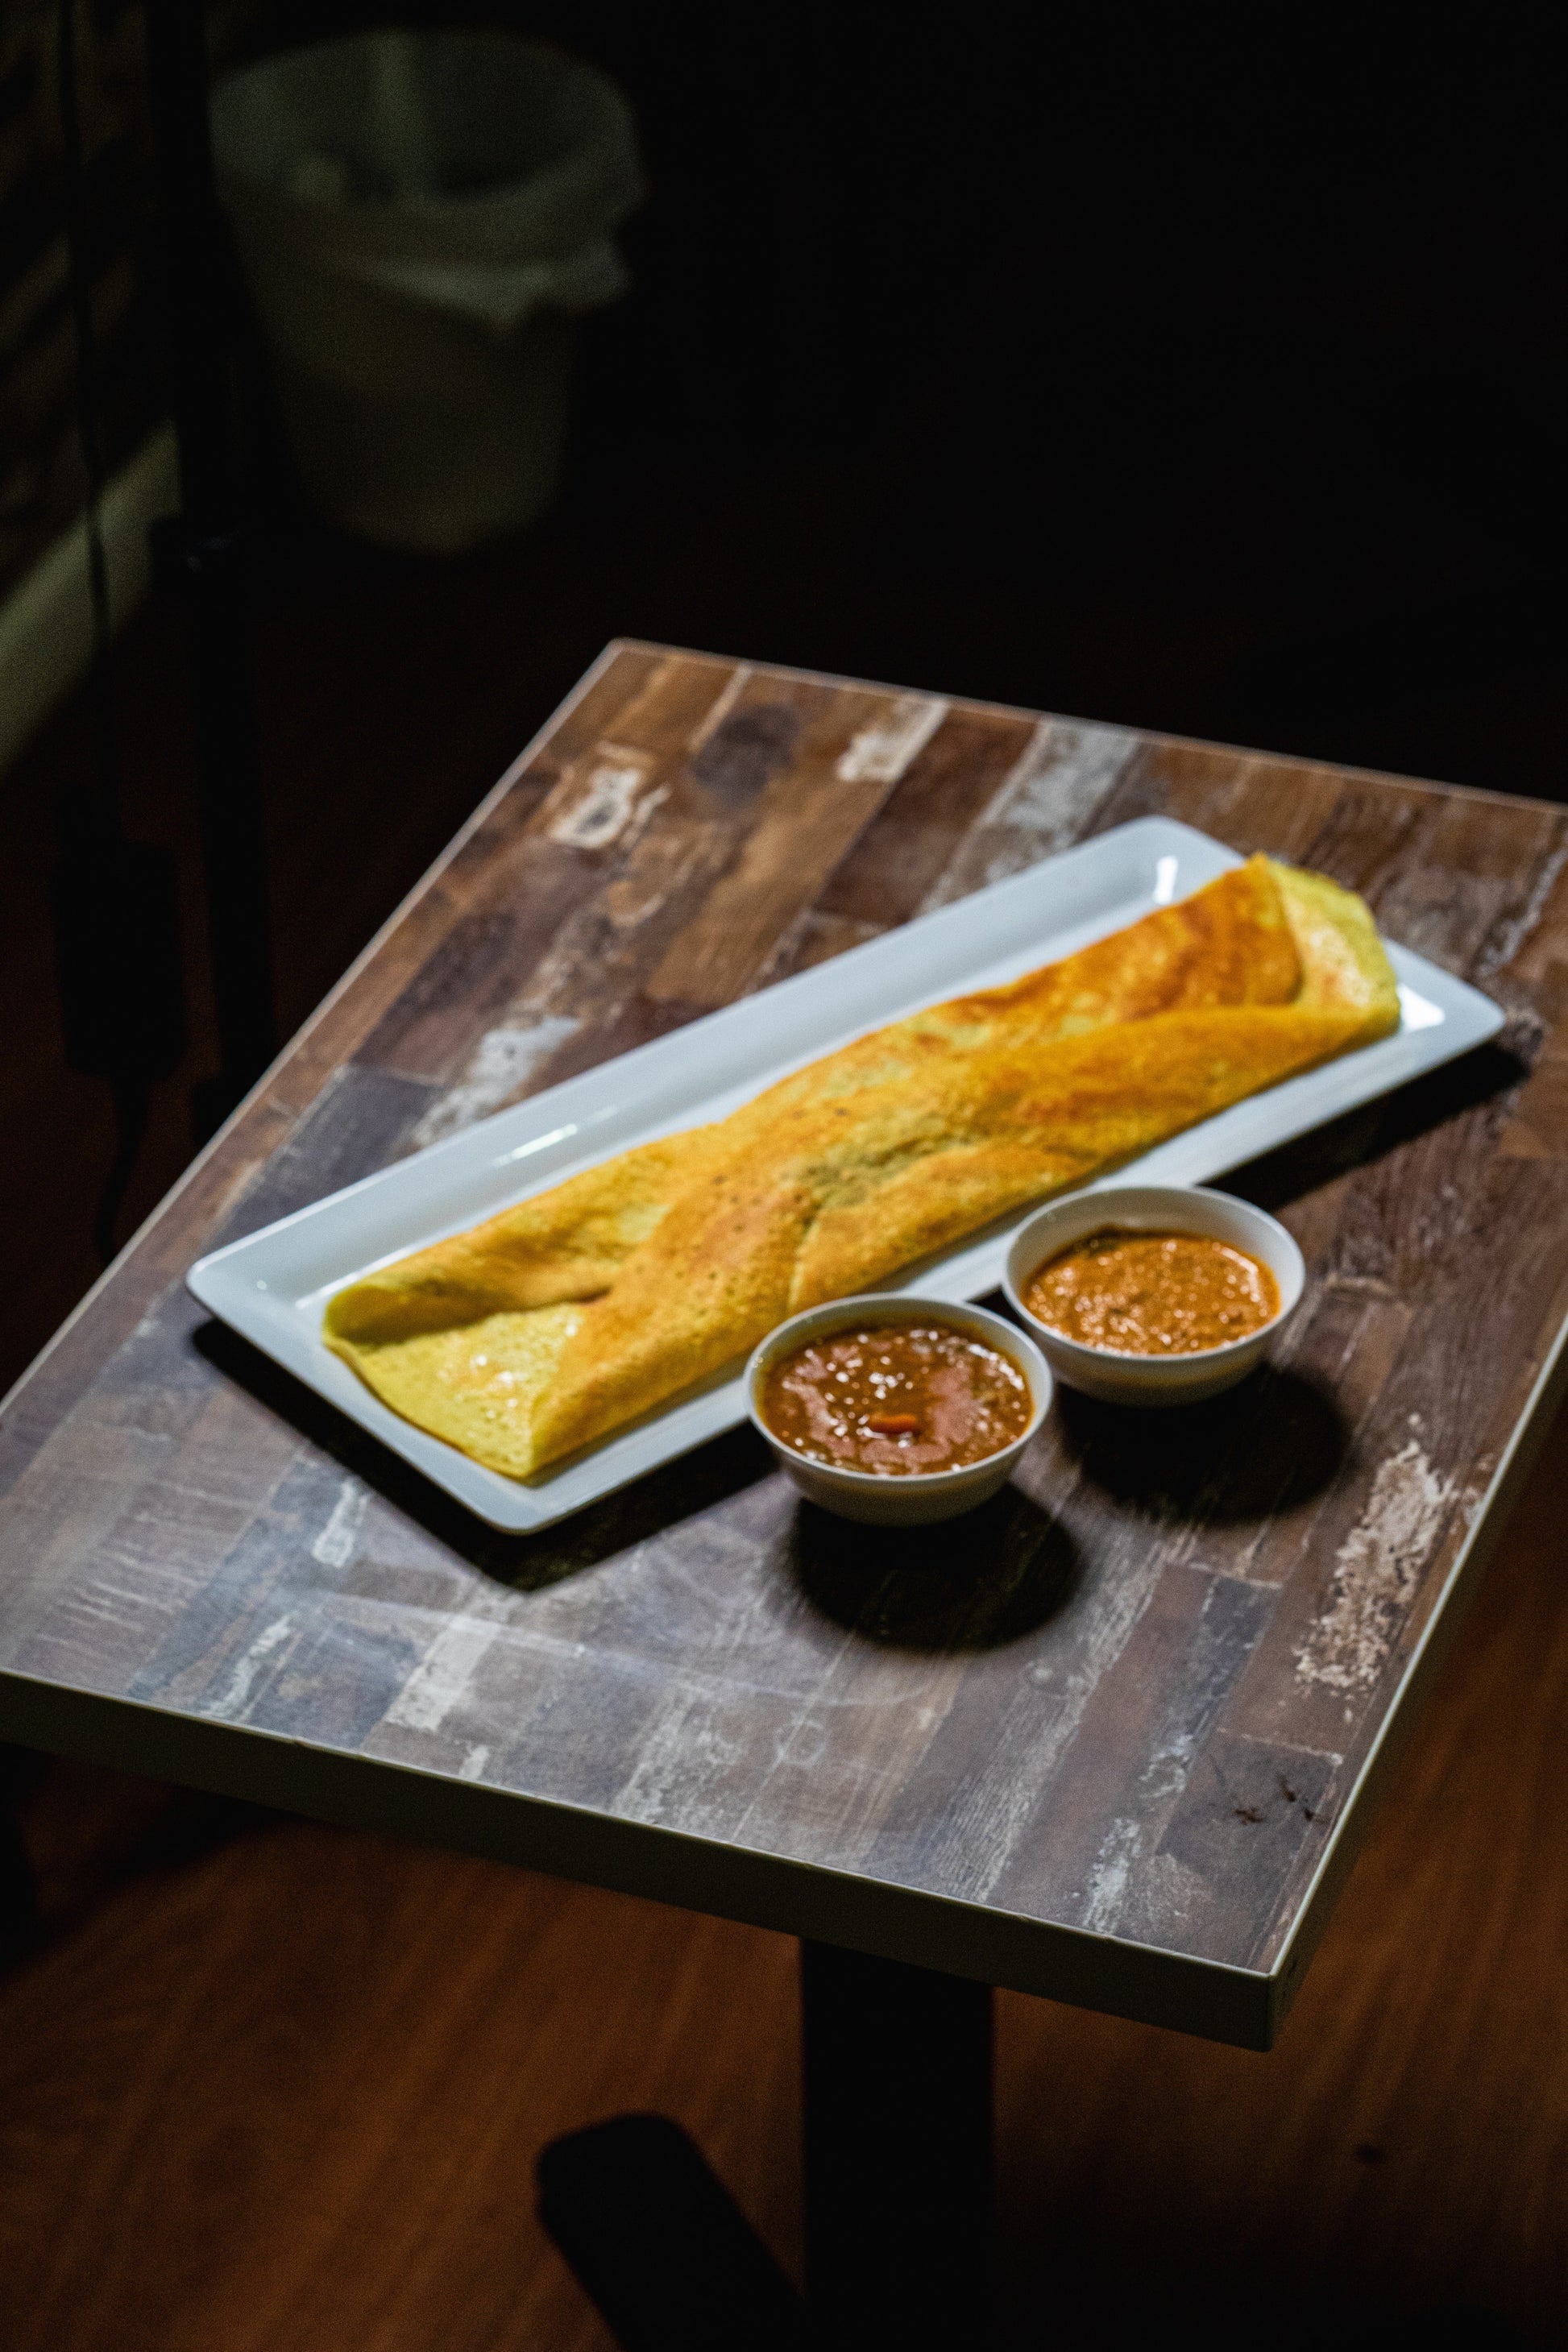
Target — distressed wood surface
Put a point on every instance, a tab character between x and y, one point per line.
1099	1739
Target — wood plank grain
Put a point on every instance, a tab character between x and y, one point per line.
1252	802
1141	1732
1462	885
816	937
907	848
1423	1457
1062	778
1537	1128
654	823
483	1012
852	747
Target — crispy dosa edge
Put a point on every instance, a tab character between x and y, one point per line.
1344	966
568	1243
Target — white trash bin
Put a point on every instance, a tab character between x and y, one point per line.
421	217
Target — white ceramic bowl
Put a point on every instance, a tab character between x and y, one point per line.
920	1495
1114	1373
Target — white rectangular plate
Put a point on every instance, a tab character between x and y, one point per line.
273	1285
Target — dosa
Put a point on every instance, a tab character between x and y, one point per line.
560	1320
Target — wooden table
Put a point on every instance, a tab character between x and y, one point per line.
1112	1739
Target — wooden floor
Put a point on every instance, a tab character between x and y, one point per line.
280	2087
271	2085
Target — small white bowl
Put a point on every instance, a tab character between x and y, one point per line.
1115	1373
919	1497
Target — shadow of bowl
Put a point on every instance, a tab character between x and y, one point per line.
1263	1448
971	1583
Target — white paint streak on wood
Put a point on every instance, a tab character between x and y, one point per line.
445	1673
646	808
1512	936
845	1796
163	1592
720	709
441	1679
688	1747
335	1547
1043	803
600	802
880	754
581	974
92	1605
204	1495
1056	791
242	1681
987	1824
117	1592
500	1065
1376	1571
1160	1784
1107	1880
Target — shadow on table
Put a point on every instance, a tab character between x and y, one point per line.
1487	1074
709	1475
1262	1448
971	1583
975	1583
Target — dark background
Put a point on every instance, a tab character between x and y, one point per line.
1200	372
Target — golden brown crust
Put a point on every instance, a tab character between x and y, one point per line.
570	1242
684	1254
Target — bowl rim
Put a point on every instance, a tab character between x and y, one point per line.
1157	1367
1041	1389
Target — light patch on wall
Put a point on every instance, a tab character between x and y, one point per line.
45	622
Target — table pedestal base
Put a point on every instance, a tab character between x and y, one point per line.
898	2133
897	2115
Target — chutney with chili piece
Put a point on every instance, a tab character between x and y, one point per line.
897	1398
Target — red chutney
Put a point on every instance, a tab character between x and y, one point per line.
895	1398
1153	1294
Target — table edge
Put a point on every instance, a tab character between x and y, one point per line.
1210	1999
1482	792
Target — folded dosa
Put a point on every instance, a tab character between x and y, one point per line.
553	1324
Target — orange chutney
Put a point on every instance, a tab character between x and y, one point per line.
1153	1294
893	1397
